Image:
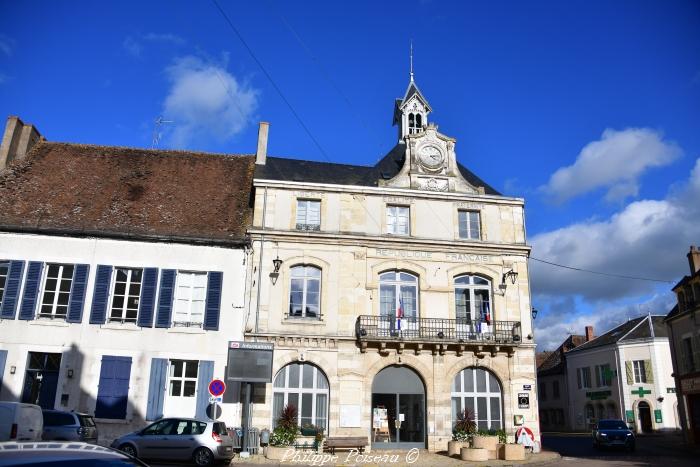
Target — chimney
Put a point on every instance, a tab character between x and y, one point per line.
589	333
17	140
694	259
261	154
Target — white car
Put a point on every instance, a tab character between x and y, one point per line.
20	422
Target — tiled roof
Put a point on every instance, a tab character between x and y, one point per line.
278	168
69	189
554	363
637	328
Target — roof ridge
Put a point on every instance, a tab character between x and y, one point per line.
184	152
643	318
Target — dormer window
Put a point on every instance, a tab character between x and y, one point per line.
415	123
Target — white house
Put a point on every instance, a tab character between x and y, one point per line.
626	374
122	278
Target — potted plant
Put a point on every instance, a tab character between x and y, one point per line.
285	433
462	432
319	440
308	429
487	439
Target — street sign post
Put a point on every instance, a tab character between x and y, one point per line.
217	388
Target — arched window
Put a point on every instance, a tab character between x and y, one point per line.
419	122
473	298
479	391
305	292
306	388
398	294
411	123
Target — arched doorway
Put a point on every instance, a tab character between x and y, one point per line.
398	409
644	412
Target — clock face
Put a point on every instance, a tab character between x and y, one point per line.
431	157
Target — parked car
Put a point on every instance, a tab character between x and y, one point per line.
69	426
613	433
179	439
20	422
64	454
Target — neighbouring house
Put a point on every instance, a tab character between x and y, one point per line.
684	333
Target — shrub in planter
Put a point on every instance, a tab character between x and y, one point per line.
285	433
464	427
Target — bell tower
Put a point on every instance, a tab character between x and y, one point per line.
411	112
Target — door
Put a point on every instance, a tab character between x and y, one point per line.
644	417
41	379
694	412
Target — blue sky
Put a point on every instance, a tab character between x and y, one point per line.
590	110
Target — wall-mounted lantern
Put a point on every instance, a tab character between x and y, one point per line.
275	274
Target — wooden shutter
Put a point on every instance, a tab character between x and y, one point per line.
10	297
165	298
578	377
147	300
648	371
597	375
206	374
77	293
212	309
156	388
100	294
113	390
31	289
630	372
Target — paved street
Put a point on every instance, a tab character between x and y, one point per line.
651	451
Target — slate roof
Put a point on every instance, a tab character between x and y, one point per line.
63	188
674	312
637	328
278	168
555	362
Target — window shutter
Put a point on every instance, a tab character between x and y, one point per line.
77	293
578	377
648	371
12	286
206	374
630	372
597	375
113	388
3	360
147	299
100	294
156	388
213	304
165	298
31	290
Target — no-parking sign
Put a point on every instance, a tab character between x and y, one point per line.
217	387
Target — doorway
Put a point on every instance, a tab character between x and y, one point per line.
398	409
41	379
644	416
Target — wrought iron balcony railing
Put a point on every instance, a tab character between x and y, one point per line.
436	330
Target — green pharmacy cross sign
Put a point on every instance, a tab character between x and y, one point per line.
641	391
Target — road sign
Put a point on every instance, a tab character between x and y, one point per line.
217	387
523	400
217	399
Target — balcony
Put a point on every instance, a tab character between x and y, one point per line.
438	334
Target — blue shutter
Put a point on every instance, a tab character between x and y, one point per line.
213	305
100	294
148	297
77	293
113	390
165	298
206	374
10	297
156	388
31	289
3	360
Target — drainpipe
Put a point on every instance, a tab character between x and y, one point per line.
260	259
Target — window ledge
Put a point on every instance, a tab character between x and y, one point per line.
186	330
121	327
304	321
49	322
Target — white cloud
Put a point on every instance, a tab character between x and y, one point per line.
205	101
615	162
648	238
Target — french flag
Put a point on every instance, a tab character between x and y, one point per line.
399	314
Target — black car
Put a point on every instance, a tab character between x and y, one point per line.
613	433
64	454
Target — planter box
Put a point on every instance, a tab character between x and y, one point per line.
486	442
474	454
513	452
453	447
277	452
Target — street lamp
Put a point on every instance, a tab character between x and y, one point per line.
534	313
513	278
275	274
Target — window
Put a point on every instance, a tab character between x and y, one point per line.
479	391
543	391
398	295
415	123
688	359
190	298
397	220
182	378
57	284
125	295
640	374
308	214
603	375
584	377
555	389
470	225
305	292
305	387
4	270
473	298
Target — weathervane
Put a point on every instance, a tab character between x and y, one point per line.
156	134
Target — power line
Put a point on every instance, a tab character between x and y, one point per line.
620	276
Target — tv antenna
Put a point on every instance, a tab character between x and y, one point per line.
156	133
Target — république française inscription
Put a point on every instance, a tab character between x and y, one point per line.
418	254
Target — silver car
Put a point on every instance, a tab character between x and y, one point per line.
179	439
68	426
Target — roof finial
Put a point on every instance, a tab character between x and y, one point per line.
411	60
